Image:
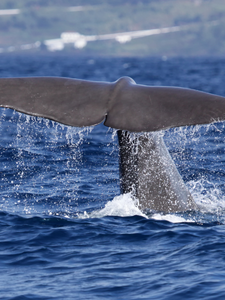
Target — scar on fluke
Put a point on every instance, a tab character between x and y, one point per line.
128	107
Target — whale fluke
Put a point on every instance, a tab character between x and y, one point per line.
129	107
67	101
122	104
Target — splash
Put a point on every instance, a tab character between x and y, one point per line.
208	196
40	163
49	168
121	206
126	205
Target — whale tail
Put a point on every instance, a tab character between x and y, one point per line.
121	105
148	171
126	106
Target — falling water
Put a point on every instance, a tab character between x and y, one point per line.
52	169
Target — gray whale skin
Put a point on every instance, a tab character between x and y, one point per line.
149	171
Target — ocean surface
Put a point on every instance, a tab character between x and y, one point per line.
66	232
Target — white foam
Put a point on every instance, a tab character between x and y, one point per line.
126	206
122	206
171	218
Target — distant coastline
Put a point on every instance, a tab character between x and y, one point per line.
27	25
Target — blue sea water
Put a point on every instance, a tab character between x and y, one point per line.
66	232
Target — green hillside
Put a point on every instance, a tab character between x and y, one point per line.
40	20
